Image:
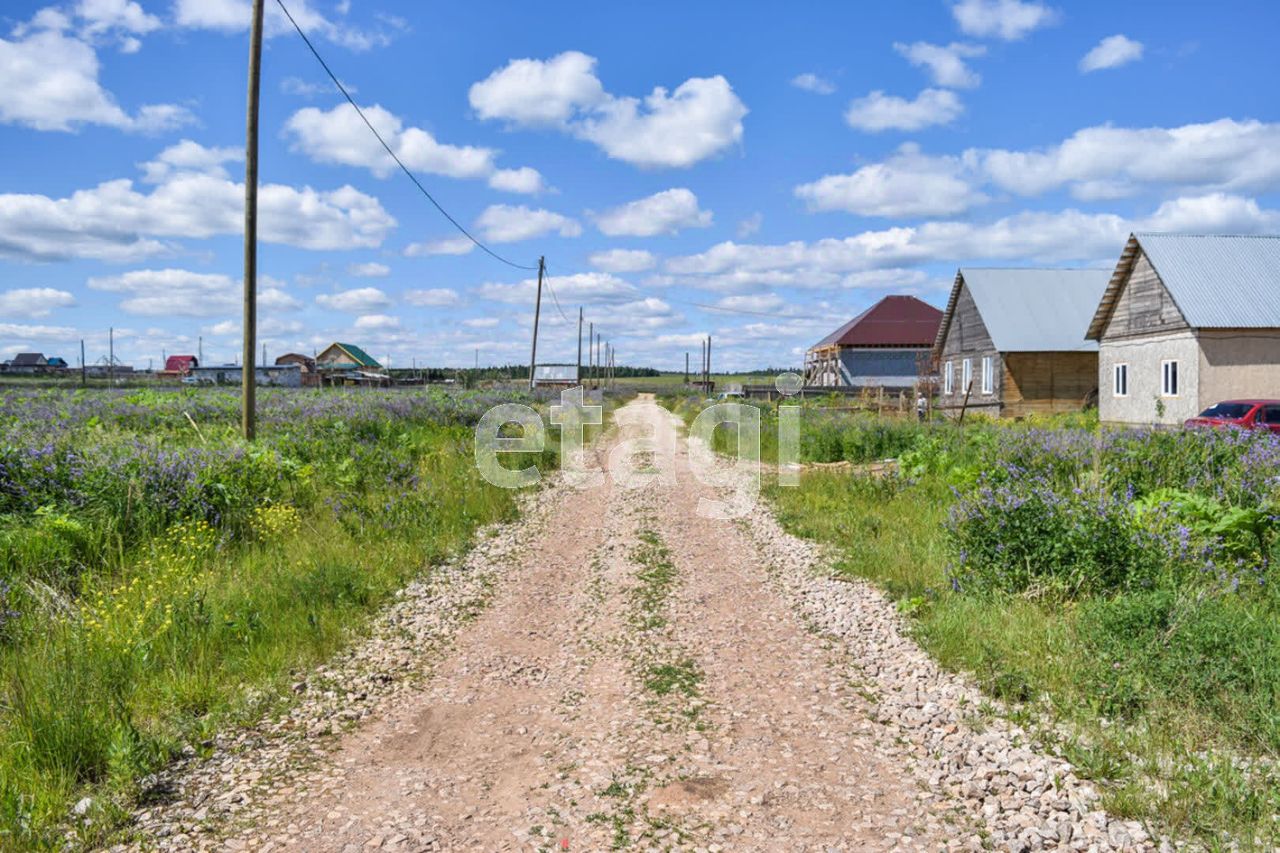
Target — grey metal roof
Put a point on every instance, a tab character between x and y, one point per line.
555	373
1219	281
1032	310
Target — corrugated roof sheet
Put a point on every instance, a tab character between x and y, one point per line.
894	321
1033	310
1219	281
555	373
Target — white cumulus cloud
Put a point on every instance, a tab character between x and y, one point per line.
33	301
115	221
946	63
1111	52
504	223
907	184
436	297
622	260
878	111
360	300
676	129
665	212
811	82
49	81
371	269
1009	20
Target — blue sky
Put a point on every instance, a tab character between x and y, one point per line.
788	165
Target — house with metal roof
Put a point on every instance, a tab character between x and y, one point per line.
28	362
887	346
1012	341
340	356
1186	321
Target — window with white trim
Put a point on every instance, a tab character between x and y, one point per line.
988	376
1169	378
946	378
966	374
1120	381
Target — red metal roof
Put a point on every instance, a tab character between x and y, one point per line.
180	363
895	321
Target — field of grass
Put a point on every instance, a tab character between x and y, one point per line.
1118	589
159	579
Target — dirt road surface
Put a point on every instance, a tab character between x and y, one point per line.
643	677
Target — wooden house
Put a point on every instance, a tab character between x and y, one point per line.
340	356
1186	321
306	364
28	362
887	346
1012	341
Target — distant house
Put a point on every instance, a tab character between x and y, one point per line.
1012	341
555	375
886	346
305	363
284	375
180	365
28	362
1186	321
340	356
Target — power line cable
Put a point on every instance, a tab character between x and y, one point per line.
556	299
374	131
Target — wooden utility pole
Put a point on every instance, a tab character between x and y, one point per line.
537	313
708	362
84	371
686	367
591	360
111	356
578	372
248	386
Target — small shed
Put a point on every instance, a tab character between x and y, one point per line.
1186	321
1012	341
555	375
57	362
887	346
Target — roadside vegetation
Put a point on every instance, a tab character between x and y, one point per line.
1117	588
161	580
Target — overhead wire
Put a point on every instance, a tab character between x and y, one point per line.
547	279
378	136
456	224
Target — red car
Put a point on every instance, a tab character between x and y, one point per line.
1247	414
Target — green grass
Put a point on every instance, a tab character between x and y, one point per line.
1161	691
198	630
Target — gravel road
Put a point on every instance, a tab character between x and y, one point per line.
618	671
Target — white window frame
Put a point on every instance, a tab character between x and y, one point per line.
966	374
1120	379
947	378
1169	368
988	376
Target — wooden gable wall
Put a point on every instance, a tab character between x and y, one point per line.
1144	306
